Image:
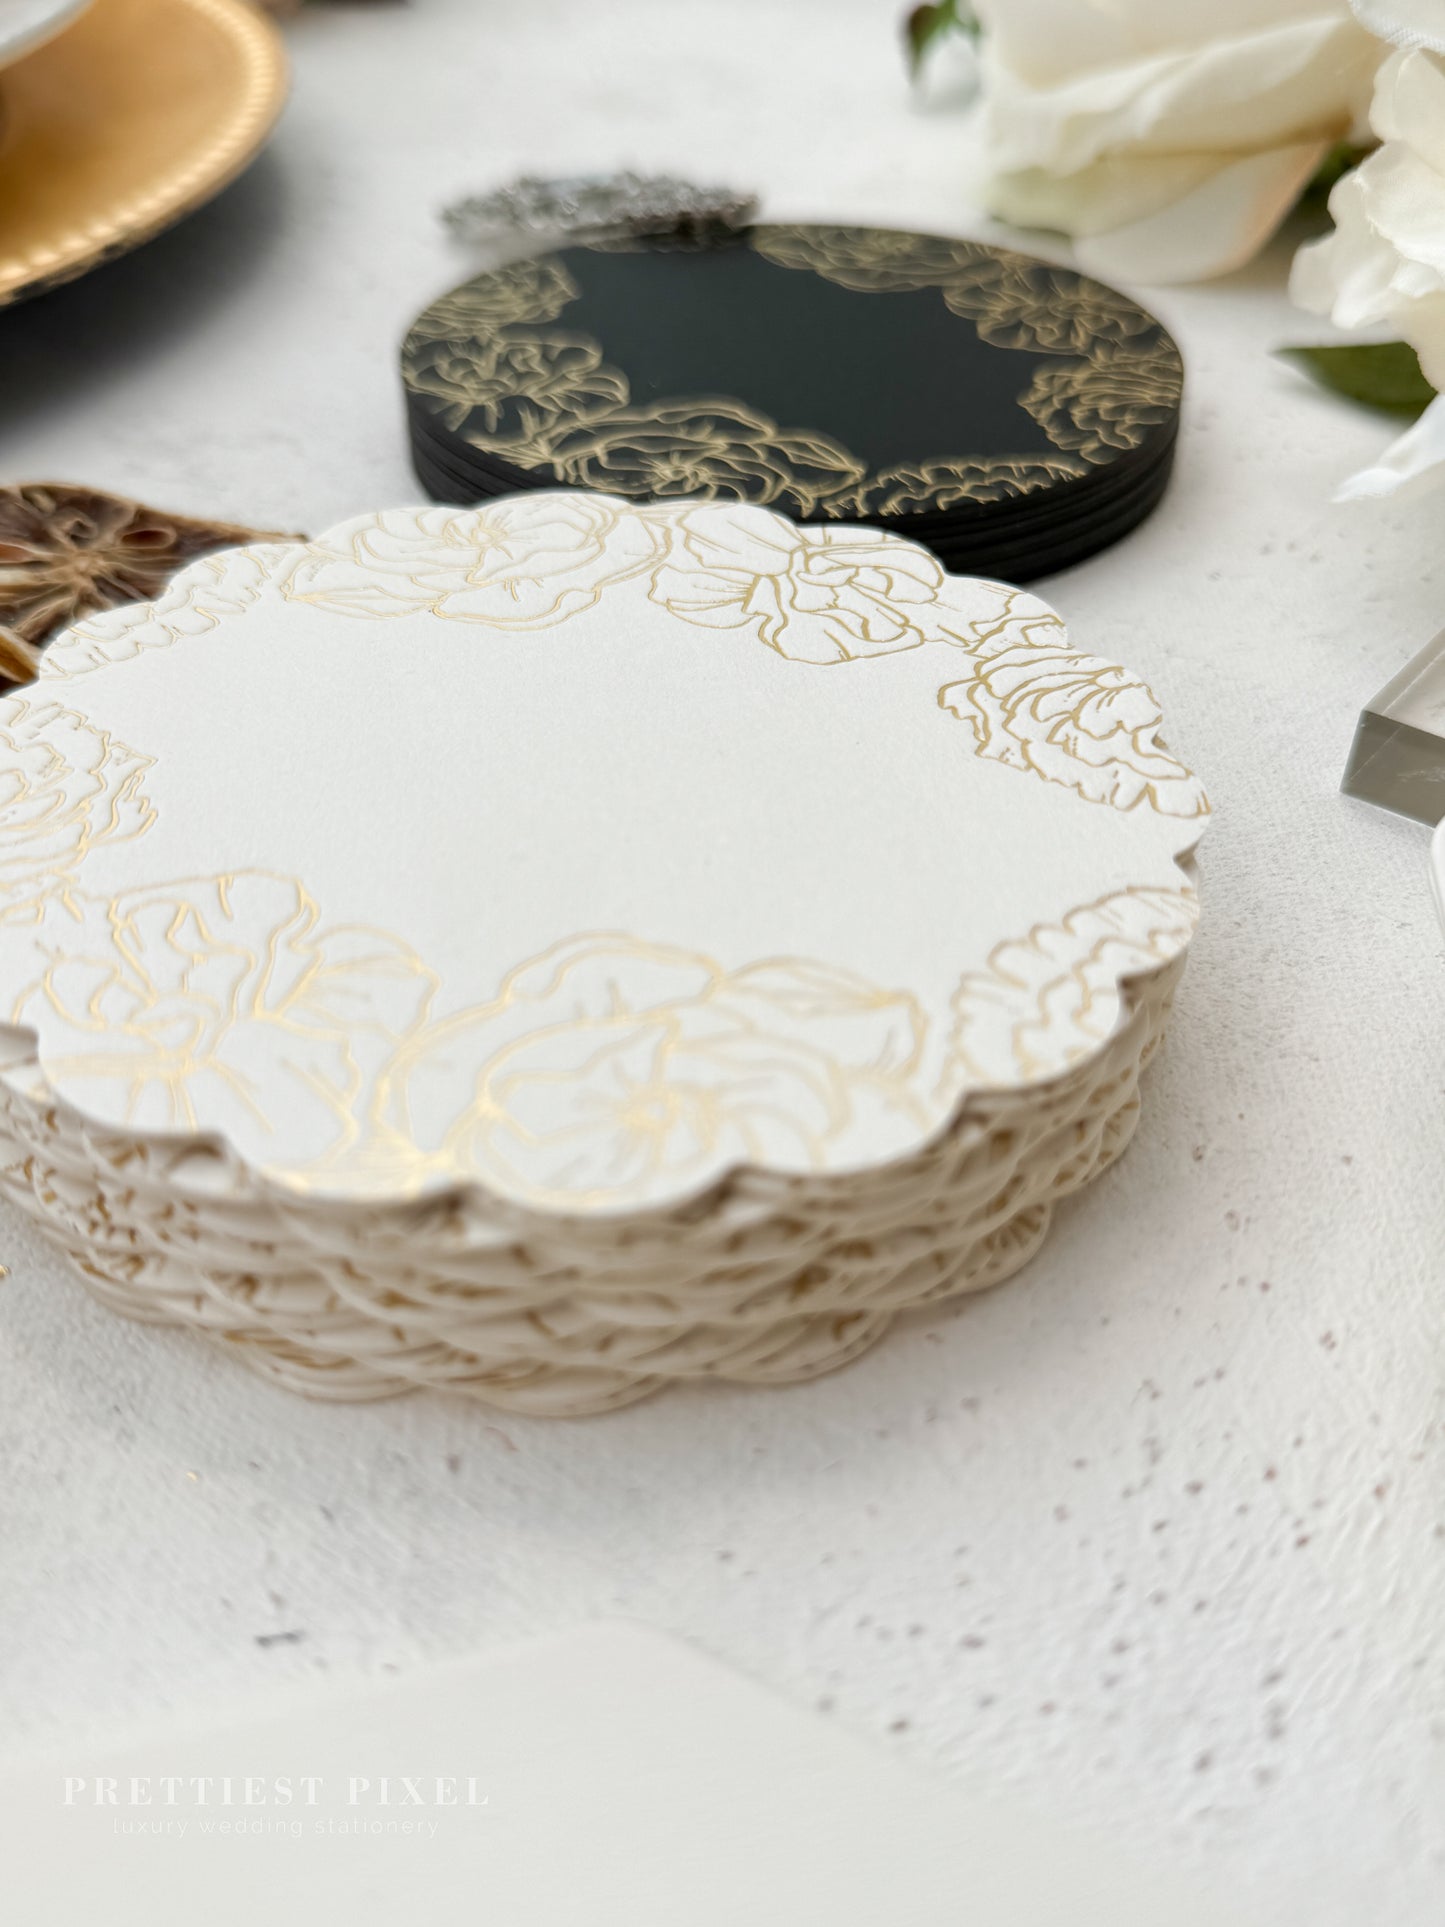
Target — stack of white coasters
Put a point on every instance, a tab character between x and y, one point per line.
559	948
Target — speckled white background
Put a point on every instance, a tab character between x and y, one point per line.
1155	1536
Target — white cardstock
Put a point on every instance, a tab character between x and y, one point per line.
578	851
606	1778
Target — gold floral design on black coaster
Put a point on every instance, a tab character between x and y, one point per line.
1098	375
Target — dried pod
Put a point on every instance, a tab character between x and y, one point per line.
67	551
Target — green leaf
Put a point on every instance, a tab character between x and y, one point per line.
925	25
1342	159
1381	374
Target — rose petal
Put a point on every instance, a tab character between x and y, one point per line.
1411	466
1217	227
1223	94
1409	105
1407	23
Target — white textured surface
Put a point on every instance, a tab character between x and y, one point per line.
1155	1535
610	1738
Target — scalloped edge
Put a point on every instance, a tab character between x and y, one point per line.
710	1188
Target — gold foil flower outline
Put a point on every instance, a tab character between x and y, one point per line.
195	603
749	1018
914	488
1078	721
724	448
519	563
1012	299
1047	1000
705	447
1105	405
608	1067
65	786
202	999
518	387
536	288
813	595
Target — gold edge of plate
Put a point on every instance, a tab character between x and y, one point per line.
214	166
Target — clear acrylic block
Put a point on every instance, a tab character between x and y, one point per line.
1398	756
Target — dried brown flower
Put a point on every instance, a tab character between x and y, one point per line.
67	551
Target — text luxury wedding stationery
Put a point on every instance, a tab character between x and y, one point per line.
606	1778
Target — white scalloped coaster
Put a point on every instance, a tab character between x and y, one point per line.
556	950
577	852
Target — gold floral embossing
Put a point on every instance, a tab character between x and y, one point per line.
1106	403
1123	376
875	1036
196	601
1075	720
1051	998
870	260
537	288
515	388
912	488
708	448
608	1067
1017	302
1037	704
521	563
218	1004
986	617
550	400
65	786
1014	300
816	595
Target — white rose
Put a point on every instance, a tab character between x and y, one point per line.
1408	23
1384	266
1169	137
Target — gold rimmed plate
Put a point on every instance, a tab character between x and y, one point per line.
137	114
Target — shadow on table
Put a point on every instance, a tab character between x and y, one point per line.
79	335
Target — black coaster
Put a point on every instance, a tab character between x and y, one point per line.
1011	415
